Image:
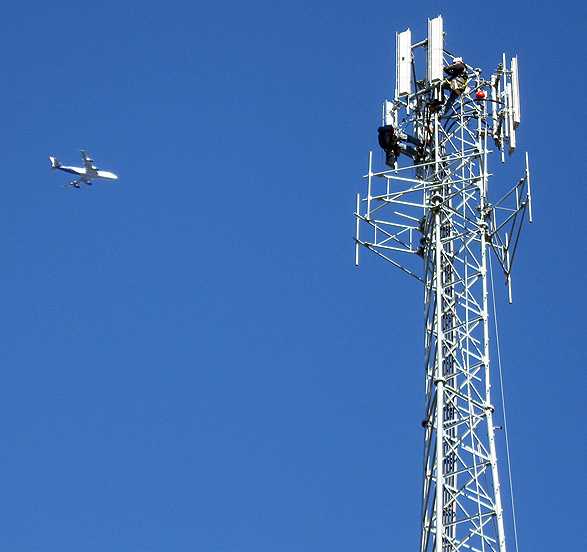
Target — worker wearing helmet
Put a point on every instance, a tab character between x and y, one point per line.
457	75
456	82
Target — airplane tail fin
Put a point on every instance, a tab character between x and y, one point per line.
55	162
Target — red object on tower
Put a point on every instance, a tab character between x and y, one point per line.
480	95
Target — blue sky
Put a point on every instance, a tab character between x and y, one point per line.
191	360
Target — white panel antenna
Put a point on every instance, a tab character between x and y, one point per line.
495	98
403	65
435	60
515	93
511	105
389	114
510	115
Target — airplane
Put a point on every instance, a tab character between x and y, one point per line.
86	174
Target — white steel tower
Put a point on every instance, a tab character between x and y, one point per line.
430	215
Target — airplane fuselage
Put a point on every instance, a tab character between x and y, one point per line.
88	174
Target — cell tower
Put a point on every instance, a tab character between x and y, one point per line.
430	215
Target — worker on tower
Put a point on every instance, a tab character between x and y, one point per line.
456	82
457	75
392	142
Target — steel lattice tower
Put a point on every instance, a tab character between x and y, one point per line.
432	208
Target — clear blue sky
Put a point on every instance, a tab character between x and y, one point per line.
190	359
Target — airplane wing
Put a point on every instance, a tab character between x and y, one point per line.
75	184
88	163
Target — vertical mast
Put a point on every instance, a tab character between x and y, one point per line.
432	207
